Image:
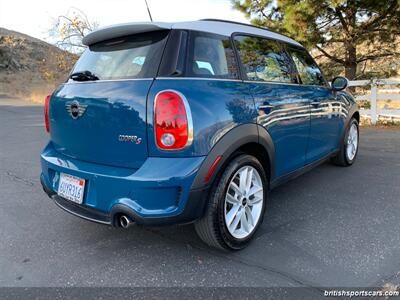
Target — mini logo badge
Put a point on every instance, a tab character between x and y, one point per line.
75	109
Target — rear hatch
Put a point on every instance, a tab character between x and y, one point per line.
100	115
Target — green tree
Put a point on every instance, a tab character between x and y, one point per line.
347	32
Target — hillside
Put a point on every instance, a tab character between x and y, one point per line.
30	68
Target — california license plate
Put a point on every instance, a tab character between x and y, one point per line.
71	188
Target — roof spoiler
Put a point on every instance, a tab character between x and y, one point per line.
116	31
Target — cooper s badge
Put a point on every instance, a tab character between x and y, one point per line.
130	138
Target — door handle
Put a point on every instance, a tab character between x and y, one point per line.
265	106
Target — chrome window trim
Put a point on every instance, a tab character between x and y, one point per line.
193	78
198	78
188	115
106	80
287	83
271	82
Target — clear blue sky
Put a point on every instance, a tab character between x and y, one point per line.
34	17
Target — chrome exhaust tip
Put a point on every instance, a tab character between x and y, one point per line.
125	221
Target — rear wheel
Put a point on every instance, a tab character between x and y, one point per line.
236	205
349	149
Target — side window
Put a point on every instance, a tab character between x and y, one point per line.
306	67
211	56
264	60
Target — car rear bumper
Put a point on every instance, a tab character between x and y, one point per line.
157	193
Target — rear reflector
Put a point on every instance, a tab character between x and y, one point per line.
172	121
46	112
212	169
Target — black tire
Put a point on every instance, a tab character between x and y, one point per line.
342	159
211	228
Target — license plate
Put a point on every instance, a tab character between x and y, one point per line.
71	188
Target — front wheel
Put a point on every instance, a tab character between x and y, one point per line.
349	148
236	205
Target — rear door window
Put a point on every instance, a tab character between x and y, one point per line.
135	56
211	56
307	69
264	59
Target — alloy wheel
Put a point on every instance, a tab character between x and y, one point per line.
352	142
243	202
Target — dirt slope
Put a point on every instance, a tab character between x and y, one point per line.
30	68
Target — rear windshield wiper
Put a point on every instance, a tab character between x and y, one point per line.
83	76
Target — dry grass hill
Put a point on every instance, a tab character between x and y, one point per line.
30	68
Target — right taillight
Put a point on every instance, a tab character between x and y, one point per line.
46	112
172	121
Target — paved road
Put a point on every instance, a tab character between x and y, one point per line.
331	227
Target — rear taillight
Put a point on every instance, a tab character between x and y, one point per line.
46	112
172	121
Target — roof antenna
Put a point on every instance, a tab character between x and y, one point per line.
148	10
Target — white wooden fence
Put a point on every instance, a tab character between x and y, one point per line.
376	94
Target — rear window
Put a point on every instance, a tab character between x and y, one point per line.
211	56
135	56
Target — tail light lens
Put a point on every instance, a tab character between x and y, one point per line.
46	112
172	121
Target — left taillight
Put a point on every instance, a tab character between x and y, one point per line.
172	121
46	112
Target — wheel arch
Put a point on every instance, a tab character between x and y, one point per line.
247	138
356	115
353	113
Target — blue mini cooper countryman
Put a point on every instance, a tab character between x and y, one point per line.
167	123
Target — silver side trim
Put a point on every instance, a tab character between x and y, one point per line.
198	78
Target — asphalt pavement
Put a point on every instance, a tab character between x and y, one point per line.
332	227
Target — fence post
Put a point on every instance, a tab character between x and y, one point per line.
374	96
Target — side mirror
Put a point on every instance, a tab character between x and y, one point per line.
339	83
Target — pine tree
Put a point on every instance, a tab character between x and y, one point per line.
342	30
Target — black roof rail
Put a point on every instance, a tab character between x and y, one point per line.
245	24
